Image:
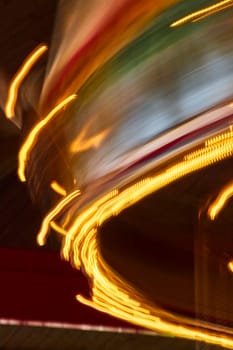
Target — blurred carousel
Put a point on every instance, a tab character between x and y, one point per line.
126	148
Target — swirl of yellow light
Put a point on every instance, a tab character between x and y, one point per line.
110	293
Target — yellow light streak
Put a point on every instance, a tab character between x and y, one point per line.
114	296
220	138
58	188
95	141
34	134
81	143
110	293
128	197
220	201
41	237
230	265
19	77
86	217
57	228
207	11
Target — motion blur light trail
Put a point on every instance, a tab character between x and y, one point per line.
117	201
58	188
99	38
220	201
81	143
34	134
207	11
52	215
110	293
19	77
57	228
140	124
114	296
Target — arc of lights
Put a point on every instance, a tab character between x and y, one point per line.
19	77
114	296
207	11
34	134
213	151
110	293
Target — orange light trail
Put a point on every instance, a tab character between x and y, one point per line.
57	228
58	188
34	134
205	156
81	144
220	201
111	294
114	296
19	77
41	237
207	11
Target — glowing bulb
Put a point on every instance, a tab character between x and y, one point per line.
230	265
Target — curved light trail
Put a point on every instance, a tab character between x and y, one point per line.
58	188
41	238
57	228
207	11
110	293
19	77
115	296
34	134
220	201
